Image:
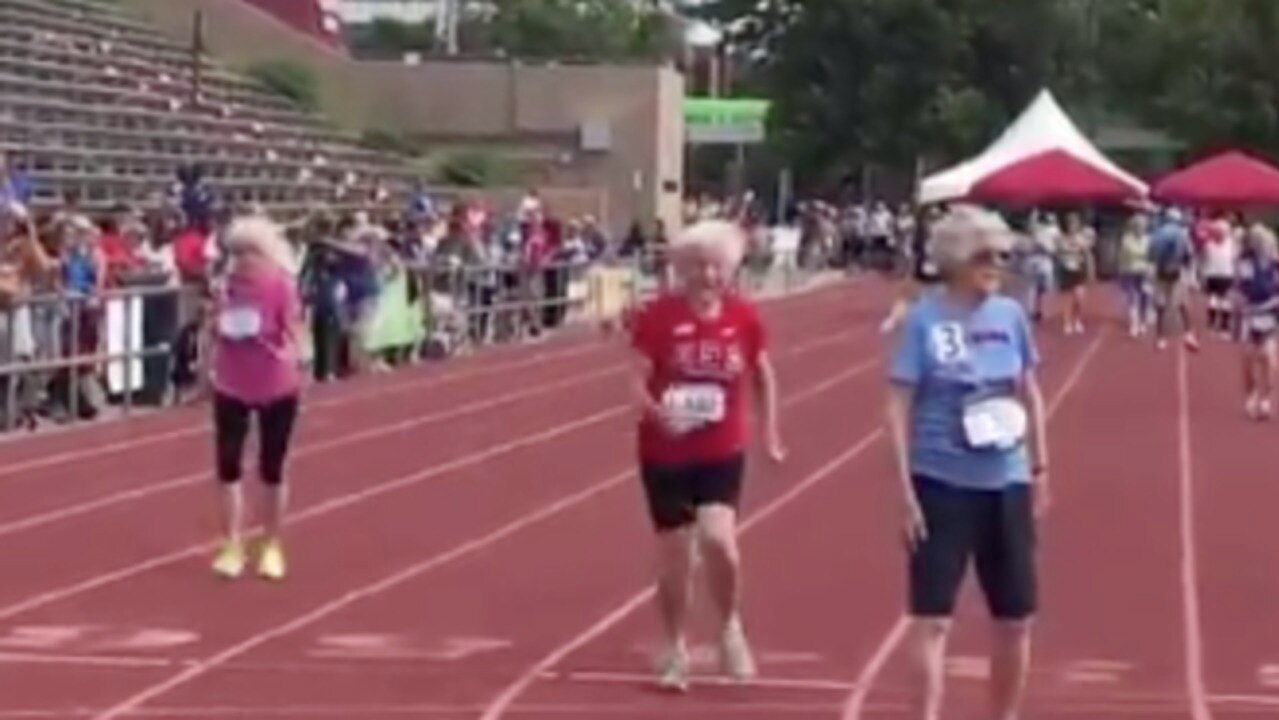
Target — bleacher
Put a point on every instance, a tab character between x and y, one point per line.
95	104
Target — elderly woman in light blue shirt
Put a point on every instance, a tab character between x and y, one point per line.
966	417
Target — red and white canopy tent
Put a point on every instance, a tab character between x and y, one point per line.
1229	180
1042	157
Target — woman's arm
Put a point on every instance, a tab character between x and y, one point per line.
641	369
1033	397
897	412
766	395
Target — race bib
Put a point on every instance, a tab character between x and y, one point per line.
240	323
946	341
997	423
928	267
696	404
1262	322
1247	271
1070	262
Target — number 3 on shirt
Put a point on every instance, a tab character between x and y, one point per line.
947	343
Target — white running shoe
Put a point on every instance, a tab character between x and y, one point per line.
673	668
735	653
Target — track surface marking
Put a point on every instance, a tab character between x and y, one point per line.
468	544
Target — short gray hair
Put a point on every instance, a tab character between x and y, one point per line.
1262	240
725	240
964	231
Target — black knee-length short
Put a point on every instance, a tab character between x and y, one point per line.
231	429
675	492
992	529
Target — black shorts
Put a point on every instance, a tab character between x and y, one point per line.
675	492
995	529
1253	335
1218	286
1068	280
1169	275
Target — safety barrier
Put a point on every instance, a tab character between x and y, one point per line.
68	358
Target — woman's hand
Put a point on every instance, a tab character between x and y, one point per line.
914	526
1042	495
776	448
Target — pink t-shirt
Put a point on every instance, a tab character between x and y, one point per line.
255	359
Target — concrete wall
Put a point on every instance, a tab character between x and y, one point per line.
476	101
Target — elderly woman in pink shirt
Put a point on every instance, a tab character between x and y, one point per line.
253	334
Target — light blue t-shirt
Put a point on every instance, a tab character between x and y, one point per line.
951	355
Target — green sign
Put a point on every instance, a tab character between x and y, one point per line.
725	121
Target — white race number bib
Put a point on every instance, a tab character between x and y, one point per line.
695	405
240	323
997	423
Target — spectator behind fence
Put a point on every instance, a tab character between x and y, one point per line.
23	263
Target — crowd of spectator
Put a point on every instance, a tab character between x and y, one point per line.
380	288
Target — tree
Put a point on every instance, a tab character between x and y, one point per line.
387	37
588	29
886	82
1203	70
882	82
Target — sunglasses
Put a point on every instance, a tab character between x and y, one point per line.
996	258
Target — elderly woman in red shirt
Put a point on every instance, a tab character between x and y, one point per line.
701	349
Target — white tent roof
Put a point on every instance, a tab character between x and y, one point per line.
1042	127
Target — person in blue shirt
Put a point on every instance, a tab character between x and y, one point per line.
966	417
1172	254
1258	290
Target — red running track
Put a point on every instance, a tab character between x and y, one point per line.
468	543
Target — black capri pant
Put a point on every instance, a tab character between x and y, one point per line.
992	529
275	430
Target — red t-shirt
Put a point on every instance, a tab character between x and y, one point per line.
119	255
692	355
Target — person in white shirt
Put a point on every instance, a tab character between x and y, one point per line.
1217	264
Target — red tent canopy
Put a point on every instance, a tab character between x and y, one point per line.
1055	176
1232	179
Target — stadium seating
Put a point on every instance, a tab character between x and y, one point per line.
96	104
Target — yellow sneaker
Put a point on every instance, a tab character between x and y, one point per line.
230	559
271	563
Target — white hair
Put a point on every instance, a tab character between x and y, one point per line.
265	236
1262	240
722	239
964	231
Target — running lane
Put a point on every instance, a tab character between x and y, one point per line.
822	573
358	463
466	628
421	518
1235	493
